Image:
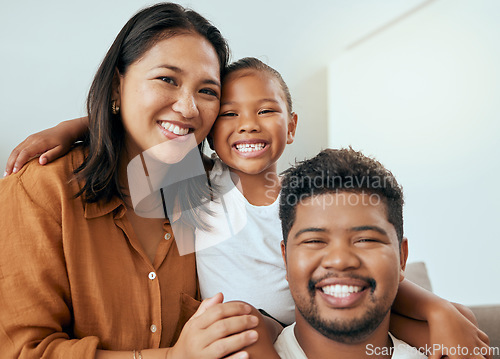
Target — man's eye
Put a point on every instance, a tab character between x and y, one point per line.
168	80
313	241
367	240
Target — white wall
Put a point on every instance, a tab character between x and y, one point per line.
423	97
51	49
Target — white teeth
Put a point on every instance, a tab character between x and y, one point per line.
250	147
174	128
341	291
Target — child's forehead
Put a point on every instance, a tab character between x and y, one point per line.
257	81
261	75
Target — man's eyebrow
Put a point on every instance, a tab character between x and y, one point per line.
310	229
368	228
180	71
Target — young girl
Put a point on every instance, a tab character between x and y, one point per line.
240	254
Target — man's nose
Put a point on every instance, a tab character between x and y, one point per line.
340	257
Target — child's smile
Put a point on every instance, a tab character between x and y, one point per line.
254	124
250	148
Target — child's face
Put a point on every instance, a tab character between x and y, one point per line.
254	125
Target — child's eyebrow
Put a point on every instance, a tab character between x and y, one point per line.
262	100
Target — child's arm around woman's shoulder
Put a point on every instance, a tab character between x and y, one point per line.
49	144
425	320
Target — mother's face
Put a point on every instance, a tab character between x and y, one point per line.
172	92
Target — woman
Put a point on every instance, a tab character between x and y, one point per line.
82	276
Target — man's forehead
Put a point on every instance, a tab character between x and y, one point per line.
341	210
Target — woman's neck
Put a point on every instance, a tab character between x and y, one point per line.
260	189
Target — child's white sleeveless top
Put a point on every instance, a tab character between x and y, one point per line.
240	255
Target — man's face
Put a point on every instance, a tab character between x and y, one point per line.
343	264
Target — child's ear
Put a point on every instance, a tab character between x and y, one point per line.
403	256
292	126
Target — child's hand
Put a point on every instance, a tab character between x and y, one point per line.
216	330
48	144
453	333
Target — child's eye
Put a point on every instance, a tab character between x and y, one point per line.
228	114
168	80
262	112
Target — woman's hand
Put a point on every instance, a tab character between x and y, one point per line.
216	330
454	333
49	144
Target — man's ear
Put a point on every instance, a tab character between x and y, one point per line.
283	255
292	126
403	256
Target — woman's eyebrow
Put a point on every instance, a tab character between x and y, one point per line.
208	81
170	67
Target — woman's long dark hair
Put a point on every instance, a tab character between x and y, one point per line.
106	137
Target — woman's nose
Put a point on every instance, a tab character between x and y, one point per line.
186	105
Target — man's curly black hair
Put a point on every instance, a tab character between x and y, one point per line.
342	170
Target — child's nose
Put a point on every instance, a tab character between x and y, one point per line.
248	123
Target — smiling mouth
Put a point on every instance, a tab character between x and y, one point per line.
175	129
341	291
250	147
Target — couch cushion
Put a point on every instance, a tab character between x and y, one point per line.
417	273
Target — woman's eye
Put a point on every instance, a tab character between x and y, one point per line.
168	80
210	92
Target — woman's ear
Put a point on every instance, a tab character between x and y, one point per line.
116	87
210	140
292	126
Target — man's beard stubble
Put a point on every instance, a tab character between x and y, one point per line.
346	331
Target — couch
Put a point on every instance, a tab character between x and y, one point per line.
488	316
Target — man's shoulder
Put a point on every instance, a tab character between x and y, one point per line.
403	350
287	345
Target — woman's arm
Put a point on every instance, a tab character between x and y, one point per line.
425	320
215	331
49	144
36	316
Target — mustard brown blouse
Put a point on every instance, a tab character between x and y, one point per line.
73	276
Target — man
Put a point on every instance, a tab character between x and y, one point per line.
345	254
